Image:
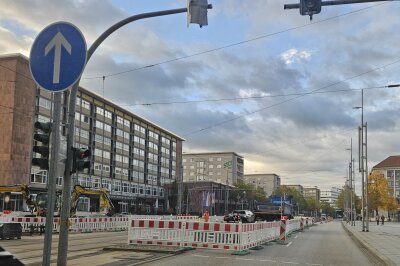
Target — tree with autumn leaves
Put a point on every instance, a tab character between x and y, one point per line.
379	194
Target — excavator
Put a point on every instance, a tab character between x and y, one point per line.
105	201
25	194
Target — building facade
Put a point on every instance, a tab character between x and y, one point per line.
330	196
269	182
220	167
298	188
312	192
390	168
135	159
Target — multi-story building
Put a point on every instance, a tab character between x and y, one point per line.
330	196
298	188
269	182
132	157
312	192
221	167
390	168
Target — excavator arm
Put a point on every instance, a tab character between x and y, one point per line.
105	201
25	193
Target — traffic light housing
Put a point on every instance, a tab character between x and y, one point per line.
43	136
79	161
310	7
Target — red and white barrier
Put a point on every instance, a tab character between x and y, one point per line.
77	224
282	235
198	234
186	217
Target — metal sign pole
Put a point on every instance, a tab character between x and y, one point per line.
51	178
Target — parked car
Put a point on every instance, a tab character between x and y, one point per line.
245	216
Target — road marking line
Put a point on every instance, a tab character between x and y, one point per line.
316	264
289	244
296	236
269	260
222	257
244	259
202	256
290	262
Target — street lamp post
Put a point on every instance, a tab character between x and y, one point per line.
352	184
363	168
66	194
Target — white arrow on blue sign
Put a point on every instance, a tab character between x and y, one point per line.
58	56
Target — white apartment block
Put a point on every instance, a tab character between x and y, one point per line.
269	182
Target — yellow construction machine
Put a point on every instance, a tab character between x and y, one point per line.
105	201
24	189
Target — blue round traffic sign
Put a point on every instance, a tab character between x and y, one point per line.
58	56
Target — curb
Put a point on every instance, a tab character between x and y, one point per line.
372	251
171	252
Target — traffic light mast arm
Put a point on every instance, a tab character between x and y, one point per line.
335	2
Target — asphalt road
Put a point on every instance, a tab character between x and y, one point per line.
324	244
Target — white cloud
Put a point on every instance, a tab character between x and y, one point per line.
292	55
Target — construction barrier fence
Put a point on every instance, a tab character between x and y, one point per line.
208	235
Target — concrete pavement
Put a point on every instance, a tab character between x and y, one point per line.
383	241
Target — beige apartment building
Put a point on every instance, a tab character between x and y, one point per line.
220	167
312	192
298	188
135	159
269	182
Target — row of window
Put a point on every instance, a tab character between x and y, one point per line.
211	159
211	166
118	186
209	173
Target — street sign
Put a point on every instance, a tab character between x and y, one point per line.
58	56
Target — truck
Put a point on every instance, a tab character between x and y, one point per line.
274	209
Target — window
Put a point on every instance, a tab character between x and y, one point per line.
148	190
119	132
99	124
153	135
134	188
210	173
165	141
118	170
107	127
45	103
125	159
184	160
211	166
211	159
141	189
139	128
118	158
39	177
108	114
99	111
155	190
125	187
120	120
106	155
219	159
138	151
126	135
125	172
106	183
125	147
139	140
219	166
117	186
127	123
97	166
153	146
96	182
85	104
119	145
161	192
106	168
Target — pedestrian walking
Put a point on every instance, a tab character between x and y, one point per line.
377	220
382	220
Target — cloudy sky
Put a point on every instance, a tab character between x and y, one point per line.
264	82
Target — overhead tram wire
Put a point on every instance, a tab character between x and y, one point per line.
235	44
291	99
256	97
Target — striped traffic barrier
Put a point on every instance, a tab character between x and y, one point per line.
282	232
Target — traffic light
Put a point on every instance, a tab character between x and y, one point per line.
310	7
79	162
44	149
197	12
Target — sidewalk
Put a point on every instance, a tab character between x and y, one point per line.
381	240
